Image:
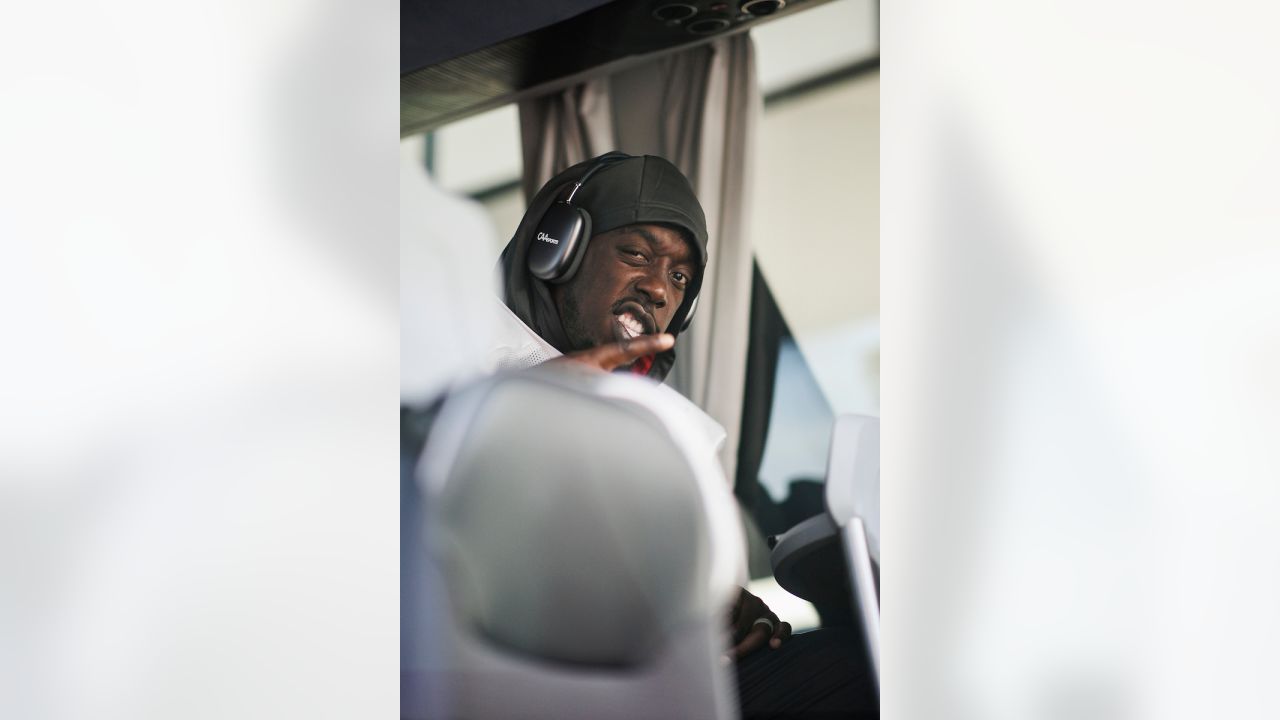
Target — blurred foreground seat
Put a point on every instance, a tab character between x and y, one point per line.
565	553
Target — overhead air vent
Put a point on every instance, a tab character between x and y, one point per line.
708	24
760	8
675	13
545	57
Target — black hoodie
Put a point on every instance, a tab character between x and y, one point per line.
642	189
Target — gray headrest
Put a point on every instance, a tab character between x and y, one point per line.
570	526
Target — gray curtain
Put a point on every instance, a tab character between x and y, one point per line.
697	108
563	129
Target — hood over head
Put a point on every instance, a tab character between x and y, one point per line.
628	191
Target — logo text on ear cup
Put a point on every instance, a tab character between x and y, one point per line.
547	238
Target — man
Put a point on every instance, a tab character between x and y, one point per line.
624	305
620	307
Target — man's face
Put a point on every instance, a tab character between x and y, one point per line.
631	282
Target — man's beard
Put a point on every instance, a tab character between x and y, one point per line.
573	324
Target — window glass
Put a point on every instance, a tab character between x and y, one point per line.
479	157
795	454
479	153
802	46
816	231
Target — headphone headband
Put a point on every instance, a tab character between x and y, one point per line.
600	163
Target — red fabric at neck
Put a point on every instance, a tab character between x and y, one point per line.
642	365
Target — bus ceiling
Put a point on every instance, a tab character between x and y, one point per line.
460	58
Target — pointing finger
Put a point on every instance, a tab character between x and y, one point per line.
608	357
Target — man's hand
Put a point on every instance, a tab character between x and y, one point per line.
751	635
619	354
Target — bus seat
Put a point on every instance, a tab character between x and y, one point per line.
573	553
844	541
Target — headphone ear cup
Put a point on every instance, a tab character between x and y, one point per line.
579	249
555	251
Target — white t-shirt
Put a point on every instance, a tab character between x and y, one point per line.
517	346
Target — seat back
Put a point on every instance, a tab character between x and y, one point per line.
853	503
571	540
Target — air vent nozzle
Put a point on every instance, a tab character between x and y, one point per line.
674	12
760	8
707	25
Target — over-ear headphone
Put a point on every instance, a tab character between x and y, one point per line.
560	240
